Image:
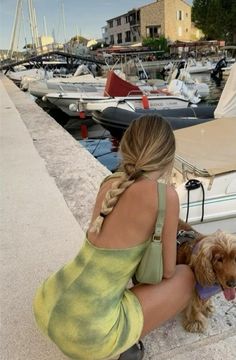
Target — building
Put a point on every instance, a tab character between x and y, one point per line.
168	18
44	41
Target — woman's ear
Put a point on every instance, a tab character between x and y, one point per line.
202	266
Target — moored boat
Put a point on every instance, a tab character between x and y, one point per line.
118	92
205	175
78	83
116	120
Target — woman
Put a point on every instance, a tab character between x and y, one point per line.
86	308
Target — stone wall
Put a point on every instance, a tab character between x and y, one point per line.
176	29
152	15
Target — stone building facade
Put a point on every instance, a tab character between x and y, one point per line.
170	18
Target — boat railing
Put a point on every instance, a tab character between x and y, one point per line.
136	92
185	167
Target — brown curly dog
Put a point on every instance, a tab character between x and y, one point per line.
213	260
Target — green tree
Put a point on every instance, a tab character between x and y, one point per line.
156	43
216	18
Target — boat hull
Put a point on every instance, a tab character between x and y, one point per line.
217	209
117	120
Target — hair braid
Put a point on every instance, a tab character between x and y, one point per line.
110	200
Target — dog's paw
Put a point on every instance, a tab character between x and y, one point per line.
208	310
195	326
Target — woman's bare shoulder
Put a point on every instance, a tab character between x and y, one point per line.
171	194
144	190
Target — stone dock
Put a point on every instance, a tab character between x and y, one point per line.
48	187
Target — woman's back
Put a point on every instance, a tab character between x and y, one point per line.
132	220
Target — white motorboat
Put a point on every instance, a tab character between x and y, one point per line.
191	65
118	92
17	76
181	82
205	174
71	83
205	168
27	79
80	83
133	102
74	103
194	66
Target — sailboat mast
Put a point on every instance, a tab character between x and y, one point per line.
63	20
33	24
36	29
45	26
15	29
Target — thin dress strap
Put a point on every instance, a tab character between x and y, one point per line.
161	211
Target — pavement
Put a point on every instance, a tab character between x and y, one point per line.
48	186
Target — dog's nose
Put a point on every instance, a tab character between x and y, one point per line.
231	283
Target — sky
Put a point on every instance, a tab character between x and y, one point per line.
82	17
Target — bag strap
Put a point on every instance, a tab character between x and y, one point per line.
161	187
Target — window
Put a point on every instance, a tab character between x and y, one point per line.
138	16
110	24
119	38
179	31
179	15
153	31
127	36
118	21
134	38
112	39
127	19
186	30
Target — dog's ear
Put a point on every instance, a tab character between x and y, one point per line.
202	266
182	225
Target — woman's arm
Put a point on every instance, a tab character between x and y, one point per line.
169	232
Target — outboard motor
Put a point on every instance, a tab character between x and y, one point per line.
180	66
218	68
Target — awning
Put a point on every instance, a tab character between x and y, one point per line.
207	149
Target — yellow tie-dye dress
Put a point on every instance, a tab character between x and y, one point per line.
86	308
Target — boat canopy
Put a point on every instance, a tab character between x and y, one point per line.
227	105
207	149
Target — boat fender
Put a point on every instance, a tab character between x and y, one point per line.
84	131
82	115
145	102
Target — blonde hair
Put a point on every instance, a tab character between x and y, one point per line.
147	145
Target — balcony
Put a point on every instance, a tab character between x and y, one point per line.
134	22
